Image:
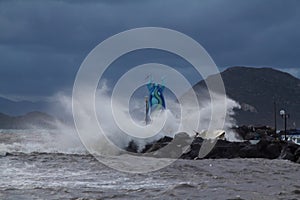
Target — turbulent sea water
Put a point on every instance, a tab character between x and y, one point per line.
32	168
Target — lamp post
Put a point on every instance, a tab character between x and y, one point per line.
285	116
275	119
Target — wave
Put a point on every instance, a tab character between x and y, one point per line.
65	139
40	141
17	149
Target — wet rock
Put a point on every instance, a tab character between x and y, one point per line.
251	136
132	147
262	145
268	149
292	146
273	150
194	149
225	149
287	154
177	146
255	132
249	151
157	145
188	148
297	154
168	147
242	131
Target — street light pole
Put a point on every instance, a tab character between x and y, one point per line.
285	117
275	119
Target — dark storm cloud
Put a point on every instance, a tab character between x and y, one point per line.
42	43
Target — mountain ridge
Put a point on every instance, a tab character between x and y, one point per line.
29	120
256	90
16	108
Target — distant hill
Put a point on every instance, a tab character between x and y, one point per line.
21	107
27	121
256	89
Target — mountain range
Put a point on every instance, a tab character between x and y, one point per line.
257	90
27	121
14	108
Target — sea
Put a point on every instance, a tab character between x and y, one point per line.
36	164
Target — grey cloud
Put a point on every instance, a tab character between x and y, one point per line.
42	43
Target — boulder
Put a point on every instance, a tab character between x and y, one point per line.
132	147
273	150
297	153
225	149
157	145
287	153
168	147
194	149
249	151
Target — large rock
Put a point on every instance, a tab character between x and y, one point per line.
255	132
297	152
249	151
273	150
194	149
266	148
286	154
179	145
132	147
226	149
289	151
157	145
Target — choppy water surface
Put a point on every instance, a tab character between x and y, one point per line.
49	175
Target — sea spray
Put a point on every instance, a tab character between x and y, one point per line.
65	138
172	126
39	140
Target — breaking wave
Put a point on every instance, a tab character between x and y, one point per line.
65	139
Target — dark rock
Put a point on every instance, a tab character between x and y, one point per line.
297	152
273	150
249	151
251	136
224	149
189	148
168	147
177	146
157	145
242	131
132	147
265	148
194	149
182	138
262	145
287	154
292	146
255	133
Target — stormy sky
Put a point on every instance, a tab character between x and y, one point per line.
43	43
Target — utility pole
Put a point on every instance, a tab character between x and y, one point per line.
285	116
275	118
285	119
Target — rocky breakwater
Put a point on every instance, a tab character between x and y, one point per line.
267	146
269	149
